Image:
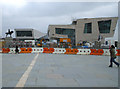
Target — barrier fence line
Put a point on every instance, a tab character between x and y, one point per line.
59	50
84	51
26	50
5	50
71	51
96	52
48	50
37	50
104	52
118	52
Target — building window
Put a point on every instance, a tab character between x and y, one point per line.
74	23
69	32
24	33
104	26
88	28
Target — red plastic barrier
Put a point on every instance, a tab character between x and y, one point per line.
26	50
71	51
96	52
118	52
5	50
48	50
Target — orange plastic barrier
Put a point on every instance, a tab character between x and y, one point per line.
71	51
96	52
5	50
26	50
48	50
118	52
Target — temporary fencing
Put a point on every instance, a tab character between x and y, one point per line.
26	50
59	50
118	52
48	50
104	52
37	50
84	51
12	50
96	52
5	50
71	51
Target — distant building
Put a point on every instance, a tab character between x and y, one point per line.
87	29
28	34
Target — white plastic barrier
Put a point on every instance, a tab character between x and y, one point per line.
115	52
106	52
12	50
59	50
84	51
37	50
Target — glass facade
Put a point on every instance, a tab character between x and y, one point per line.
24	33
104	26
88	28
69	32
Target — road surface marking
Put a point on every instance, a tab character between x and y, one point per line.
24	77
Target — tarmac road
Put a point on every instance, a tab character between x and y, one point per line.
57	70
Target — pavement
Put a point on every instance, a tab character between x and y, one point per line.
57	70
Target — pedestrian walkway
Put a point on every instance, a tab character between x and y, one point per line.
59	70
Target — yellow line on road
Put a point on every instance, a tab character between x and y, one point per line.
24	77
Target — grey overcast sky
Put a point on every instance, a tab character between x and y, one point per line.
38	15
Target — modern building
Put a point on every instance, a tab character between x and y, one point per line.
86	29
24	38
28	34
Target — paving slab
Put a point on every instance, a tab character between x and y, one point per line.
54	70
